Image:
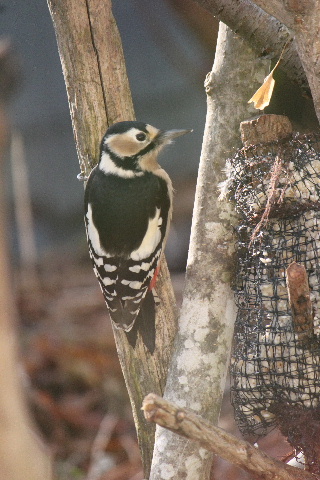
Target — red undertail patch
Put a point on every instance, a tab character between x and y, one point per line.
154	279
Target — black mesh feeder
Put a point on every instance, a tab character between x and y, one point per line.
274	181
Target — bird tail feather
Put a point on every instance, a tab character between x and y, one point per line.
145	323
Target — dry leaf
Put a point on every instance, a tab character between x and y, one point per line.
262	97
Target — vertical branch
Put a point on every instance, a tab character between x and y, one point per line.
99	95
197	374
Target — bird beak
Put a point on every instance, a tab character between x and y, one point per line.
169	135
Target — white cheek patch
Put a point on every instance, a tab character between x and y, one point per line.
126	144
94	235
150	240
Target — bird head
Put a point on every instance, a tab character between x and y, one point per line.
134	146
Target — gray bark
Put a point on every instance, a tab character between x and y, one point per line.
199	365
283	10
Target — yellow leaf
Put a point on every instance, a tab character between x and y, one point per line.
262	97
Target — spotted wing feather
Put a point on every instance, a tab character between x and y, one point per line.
124	288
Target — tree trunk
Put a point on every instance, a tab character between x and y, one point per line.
198	370
99	95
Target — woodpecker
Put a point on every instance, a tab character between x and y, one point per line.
128	207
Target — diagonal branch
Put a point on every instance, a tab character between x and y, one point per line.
210	437
266	34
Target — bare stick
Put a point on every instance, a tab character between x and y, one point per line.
232	449
299	298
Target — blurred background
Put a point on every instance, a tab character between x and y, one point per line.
69	364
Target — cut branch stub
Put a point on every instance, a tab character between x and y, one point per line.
265	129
299	299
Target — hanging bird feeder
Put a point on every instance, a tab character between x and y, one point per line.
274	181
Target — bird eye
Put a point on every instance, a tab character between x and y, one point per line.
141	137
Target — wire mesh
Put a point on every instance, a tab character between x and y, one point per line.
275	374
